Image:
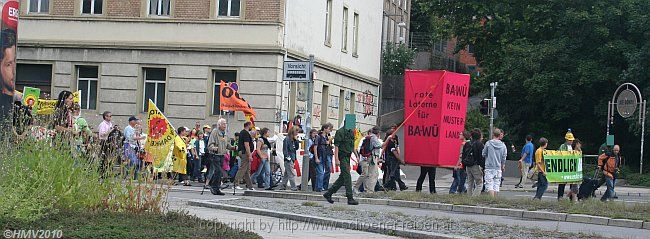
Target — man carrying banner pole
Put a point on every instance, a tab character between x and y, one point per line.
218	146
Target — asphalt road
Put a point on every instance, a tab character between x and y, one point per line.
178	200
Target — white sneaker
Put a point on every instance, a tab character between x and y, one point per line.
250	189
239	188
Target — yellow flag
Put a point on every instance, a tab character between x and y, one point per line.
357	138
160	140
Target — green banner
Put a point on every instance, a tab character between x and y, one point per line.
563	166
30	96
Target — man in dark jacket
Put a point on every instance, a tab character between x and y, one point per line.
473	164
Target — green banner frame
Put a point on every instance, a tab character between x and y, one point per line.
563	166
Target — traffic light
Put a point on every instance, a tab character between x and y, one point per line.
485	107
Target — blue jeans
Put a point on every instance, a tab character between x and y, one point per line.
264	171
196	168
326	164
134	162
319	176
458	185
542	185
610	189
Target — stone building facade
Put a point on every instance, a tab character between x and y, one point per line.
120	53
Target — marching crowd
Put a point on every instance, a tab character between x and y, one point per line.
255	157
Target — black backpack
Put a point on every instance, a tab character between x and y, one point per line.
468	158
366	147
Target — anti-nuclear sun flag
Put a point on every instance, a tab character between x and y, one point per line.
160	140
231	100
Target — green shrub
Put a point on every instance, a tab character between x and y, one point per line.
106	224
43	177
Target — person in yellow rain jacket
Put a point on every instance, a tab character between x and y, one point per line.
179	156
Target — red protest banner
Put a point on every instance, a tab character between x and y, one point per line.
231	100
435	107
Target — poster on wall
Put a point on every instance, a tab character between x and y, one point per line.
435	109
8	38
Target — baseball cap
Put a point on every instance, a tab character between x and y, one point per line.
132	118
207	126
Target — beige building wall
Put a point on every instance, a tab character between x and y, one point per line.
190	45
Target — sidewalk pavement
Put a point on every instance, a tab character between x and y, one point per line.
268	227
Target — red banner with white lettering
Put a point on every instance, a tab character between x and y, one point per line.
435	107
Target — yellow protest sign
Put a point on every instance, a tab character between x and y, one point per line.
160	140
46	107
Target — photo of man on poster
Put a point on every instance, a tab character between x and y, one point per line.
8	39
7	69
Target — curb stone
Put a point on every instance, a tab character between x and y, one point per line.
437	206
373	201
553	216
626	223
315	198
402	203
347	224
503	212
581	218
467	209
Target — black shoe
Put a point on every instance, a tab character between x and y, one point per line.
328	198
215	191
351	201
404	189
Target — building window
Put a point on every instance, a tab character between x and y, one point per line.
391	34
325	99
87	79
35	75
154	87
39	6
219	76
353	102
355	34
228	8
328	23
92	7
159	7
344	32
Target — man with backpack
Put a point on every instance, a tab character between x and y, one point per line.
608	163
472	160
369	152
